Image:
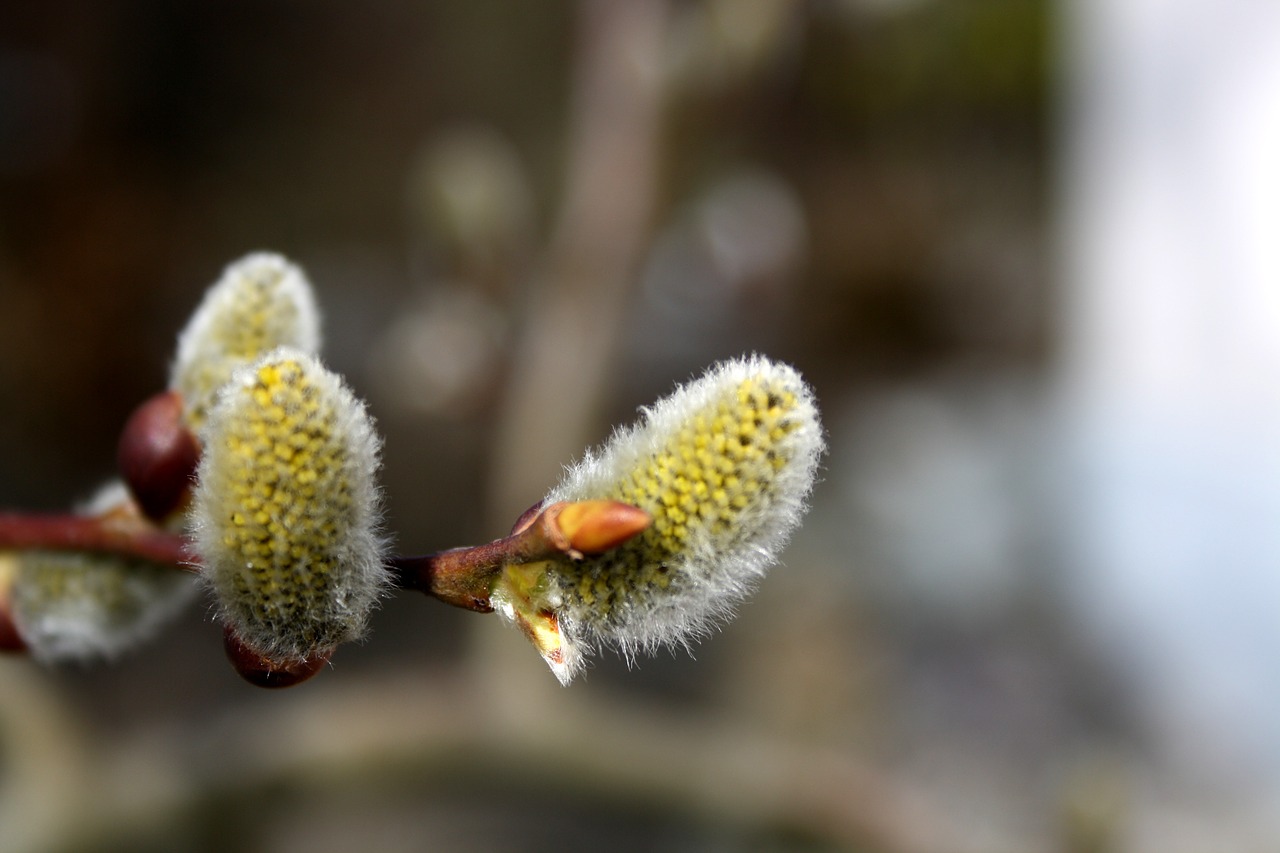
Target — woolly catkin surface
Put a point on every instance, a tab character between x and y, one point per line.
261	302
286	508
724	465
72	606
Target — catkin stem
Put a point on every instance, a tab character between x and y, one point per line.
112	533
462	577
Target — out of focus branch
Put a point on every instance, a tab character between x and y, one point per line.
617	753
570	328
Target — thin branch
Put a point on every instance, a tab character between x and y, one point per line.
563	358
633	755
462	577
125	536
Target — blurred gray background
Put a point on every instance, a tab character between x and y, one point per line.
1025	252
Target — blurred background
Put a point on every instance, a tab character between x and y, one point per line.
1026	252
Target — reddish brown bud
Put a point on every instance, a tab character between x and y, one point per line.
157	455
593	527
10	639
264	672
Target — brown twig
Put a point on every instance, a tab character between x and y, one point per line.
460	576
125	535
579	297
629	754
464	577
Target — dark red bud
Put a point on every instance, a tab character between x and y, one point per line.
261	671
10	639
158	455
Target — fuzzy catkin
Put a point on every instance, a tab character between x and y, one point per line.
260	302
73	606
286	508
724	465
79	607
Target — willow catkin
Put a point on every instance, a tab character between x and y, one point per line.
724	465
260	302
286	509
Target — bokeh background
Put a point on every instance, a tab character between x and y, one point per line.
1025	251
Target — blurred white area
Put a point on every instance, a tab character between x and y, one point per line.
754	229
441	356
934	487
720	42
726	265
470	193
474	221
1169	394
